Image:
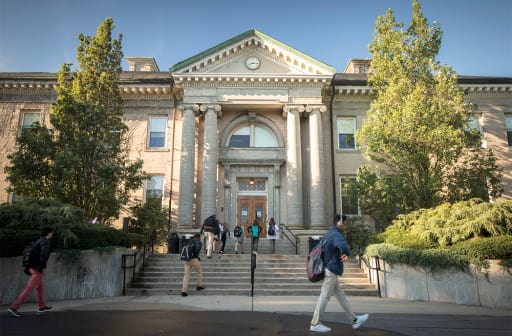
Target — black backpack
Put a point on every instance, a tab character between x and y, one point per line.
30	253
271	230
238	231
188	251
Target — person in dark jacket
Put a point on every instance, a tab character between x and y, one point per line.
335	252
210	229
41	253
194	263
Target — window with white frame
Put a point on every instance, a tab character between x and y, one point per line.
28	120
252	136
508	127
346	133
157	131
474	123
349	204
155	188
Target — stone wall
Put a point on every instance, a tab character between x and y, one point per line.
97	273
450	285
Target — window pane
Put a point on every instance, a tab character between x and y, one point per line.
346	132
508	126
263	138
154	188
241	138
29	118
349	205
157	128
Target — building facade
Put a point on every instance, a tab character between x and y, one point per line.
250	128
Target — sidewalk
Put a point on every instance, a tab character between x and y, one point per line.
210	315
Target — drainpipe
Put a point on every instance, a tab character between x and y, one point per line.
173	100
334	183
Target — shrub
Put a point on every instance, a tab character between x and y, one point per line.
430	260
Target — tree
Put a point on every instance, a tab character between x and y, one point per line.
83	157
417	123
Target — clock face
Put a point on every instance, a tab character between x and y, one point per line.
252	63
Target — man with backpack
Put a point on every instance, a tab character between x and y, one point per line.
335	251
38	257
192	261
210	229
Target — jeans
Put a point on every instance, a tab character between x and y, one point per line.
35	281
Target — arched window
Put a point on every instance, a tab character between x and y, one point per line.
252	136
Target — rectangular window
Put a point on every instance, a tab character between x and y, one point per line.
28	120
155	188
157	130
349	204
474	123
346	133
508	127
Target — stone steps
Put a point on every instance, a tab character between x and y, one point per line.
230	274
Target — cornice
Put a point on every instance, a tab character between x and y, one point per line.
205	78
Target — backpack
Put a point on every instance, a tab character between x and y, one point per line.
188	251
315	265
255	231
271	230
238	231
29	254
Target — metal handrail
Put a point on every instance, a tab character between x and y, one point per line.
285	231
370	268
135	263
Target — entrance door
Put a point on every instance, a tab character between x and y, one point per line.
250	208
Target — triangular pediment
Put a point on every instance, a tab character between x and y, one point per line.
252	52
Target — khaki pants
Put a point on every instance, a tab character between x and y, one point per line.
209	243
189	264
329	287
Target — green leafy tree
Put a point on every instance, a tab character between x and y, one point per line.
417	123
150	220
83	157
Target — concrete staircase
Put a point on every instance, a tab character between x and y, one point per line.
230	274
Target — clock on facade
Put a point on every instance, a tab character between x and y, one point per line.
252	63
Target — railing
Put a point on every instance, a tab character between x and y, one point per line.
370	268
287	233
136	258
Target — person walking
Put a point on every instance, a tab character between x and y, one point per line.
40	253
255	230
238	233
210	228
273	233
193	263
335	251
223	236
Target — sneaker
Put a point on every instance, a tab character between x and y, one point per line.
14	312
200	288
359	320
45	308
184	294
319	328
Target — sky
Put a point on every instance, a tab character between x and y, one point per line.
41	35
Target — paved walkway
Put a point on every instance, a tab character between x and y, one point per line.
210	315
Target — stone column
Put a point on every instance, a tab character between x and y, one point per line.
187	165
317	193
294	167
210	150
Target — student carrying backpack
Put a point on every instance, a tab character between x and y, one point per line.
255	230
190	254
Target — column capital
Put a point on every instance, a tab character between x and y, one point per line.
189	107
319	108
211	107
292	108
